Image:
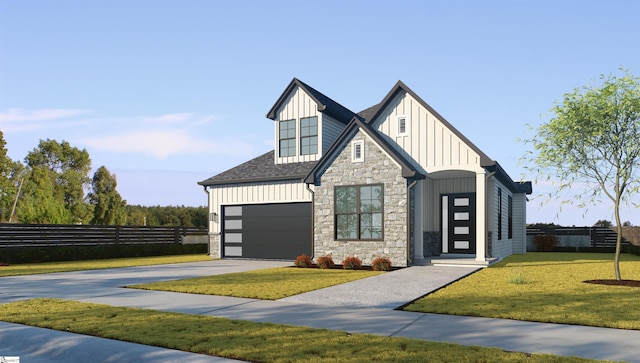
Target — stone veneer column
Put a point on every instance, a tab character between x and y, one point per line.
377	168
214	245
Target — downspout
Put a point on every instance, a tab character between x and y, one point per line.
313	221
486	214
208	221
409	187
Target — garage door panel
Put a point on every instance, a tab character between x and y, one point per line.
269	224
283	210
268	231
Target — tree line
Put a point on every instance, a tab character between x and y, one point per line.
54	186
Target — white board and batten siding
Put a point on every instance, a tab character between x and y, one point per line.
428	140
434	188
297	105
286	191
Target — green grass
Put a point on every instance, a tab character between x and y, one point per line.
267	284
50	267
545	287
255	342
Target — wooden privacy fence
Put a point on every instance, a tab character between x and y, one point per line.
42	235
599	236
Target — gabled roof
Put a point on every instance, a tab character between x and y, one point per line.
325	104
375	111
408	170
261	169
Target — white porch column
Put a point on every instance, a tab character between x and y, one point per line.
480	216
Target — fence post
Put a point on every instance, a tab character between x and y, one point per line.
176	234
117	234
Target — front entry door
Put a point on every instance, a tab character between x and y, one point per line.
459	223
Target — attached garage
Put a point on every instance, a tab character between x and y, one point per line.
267	231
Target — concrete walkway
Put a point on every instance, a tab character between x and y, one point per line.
373	314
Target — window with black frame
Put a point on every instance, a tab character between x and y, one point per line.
309	135
359	210
287	138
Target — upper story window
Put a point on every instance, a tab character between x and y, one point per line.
309	135
357	151
403	126
287	135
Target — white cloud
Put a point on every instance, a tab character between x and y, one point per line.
161	144
19	114
21	120
172	118
154	143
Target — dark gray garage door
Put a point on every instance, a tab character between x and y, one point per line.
269	231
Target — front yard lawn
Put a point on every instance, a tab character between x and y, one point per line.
545	287
267	284
68	266
248	341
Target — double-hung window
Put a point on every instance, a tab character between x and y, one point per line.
358	212
287	138
309	135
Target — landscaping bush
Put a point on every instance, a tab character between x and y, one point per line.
17	255
381	264
303	261
351	263
325	262
545	242
633	250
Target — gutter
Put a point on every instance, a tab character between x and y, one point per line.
313	221
409	187
208	221
486	214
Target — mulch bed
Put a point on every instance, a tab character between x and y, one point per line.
630	283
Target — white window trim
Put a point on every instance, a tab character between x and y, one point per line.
353	151
406	125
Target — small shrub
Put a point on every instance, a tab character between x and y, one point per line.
303	261
545	242
381	264
633	249
325	262
351	263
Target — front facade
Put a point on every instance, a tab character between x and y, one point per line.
396	180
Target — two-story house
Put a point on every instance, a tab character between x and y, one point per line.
395	180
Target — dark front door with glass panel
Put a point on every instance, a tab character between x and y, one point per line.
459	223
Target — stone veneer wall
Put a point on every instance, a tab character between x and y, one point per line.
214	245
377	168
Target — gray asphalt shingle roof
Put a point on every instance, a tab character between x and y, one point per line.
262	168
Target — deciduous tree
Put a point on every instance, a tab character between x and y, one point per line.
68	170
108	205
593	143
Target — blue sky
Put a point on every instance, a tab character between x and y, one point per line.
168	93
